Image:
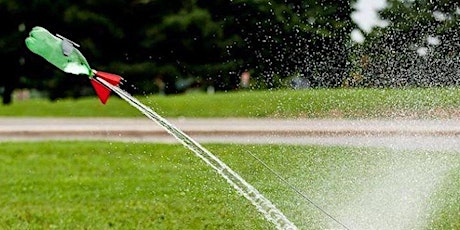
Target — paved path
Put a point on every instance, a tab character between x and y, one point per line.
400	134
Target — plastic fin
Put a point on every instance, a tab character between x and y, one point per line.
111	78
102	92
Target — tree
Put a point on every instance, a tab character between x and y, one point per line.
280	40
9	56
187	43
418	48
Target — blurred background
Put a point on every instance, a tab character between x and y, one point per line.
172	47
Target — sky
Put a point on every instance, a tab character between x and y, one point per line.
366	16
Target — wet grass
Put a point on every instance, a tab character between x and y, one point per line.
314	103
102	185
51	185
447	216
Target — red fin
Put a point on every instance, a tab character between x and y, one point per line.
111	78
102	92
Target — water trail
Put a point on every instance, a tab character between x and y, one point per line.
264	205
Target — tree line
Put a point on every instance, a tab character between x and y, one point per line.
170	46
419	48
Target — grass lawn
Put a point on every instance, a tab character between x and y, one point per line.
104	185
317	103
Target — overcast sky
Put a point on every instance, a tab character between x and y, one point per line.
366	16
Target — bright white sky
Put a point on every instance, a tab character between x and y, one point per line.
366	16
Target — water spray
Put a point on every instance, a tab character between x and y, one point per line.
295	189
62	53
262	204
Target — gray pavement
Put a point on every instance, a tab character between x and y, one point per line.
398	134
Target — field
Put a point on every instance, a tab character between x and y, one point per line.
115	185
102	185
318	103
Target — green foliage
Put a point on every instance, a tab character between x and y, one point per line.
418	48
159	44
306	37
211	42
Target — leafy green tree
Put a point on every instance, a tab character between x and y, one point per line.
9	56
418	48
280	40
186	44
181	44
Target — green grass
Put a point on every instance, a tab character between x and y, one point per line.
102	185
315	103
448	216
